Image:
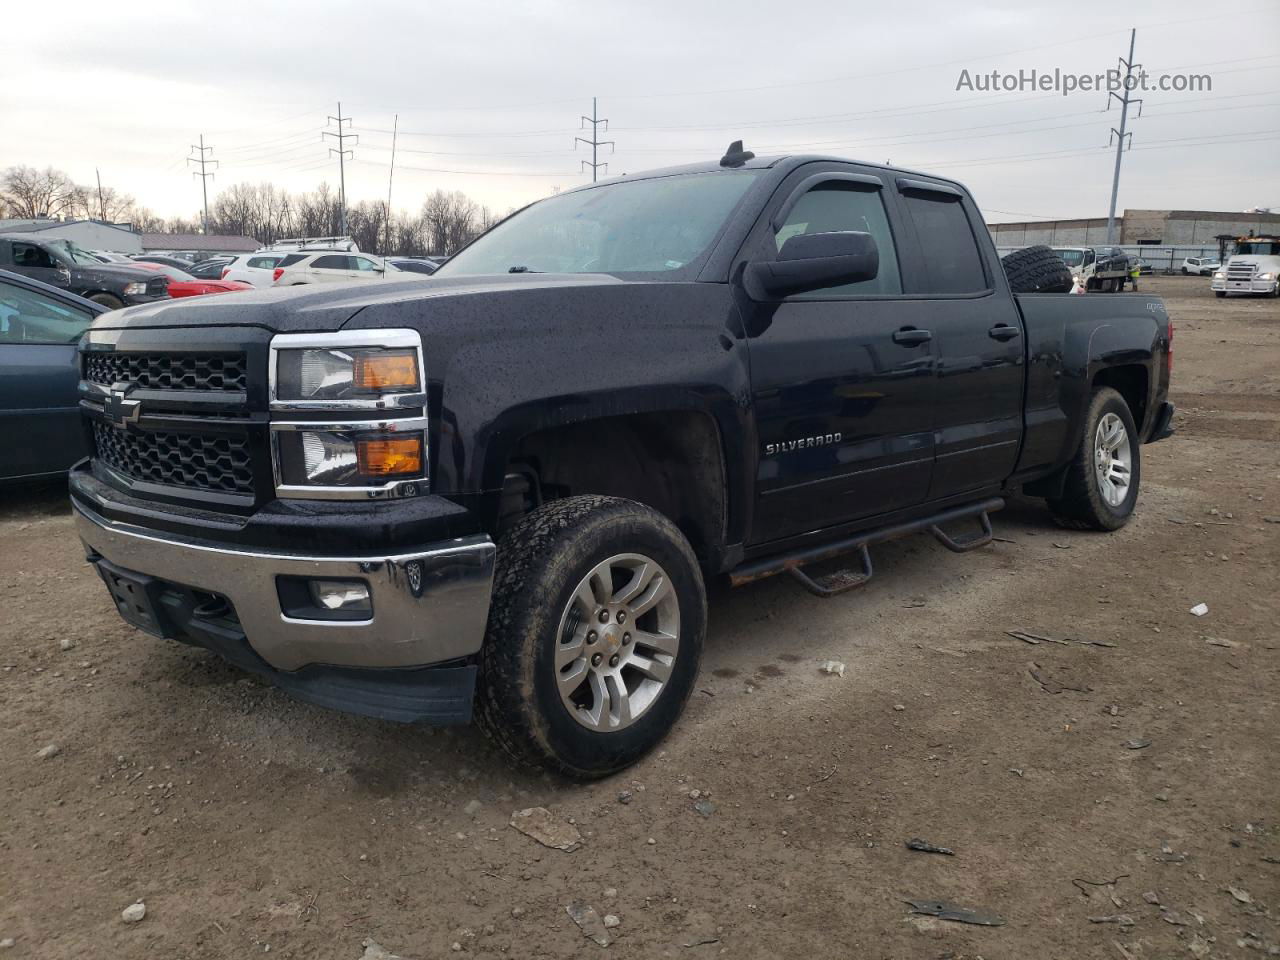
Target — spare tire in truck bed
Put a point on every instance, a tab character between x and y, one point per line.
1037	270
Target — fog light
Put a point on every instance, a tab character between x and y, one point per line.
347	595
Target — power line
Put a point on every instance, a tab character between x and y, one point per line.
595	143
203	175
341	150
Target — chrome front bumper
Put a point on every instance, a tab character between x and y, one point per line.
429	606
1244	286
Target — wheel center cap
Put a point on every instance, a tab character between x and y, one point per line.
611	639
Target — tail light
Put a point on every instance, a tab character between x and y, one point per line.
225	271
276	274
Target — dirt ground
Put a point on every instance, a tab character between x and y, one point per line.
249	823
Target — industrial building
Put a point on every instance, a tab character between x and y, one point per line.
88	234
1159	228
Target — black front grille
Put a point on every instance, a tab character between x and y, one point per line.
201	461
167	371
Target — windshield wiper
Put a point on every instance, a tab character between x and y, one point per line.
522	270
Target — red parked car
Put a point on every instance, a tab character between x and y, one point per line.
183	284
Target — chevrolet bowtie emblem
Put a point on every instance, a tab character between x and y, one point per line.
119	410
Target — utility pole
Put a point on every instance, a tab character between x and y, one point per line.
1119	136
102	210
341	150
395	126
595	143
204	176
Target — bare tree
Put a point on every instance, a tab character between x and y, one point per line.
28	193
108	204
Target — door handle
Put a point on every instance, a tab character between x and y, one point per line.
911	337
1002	331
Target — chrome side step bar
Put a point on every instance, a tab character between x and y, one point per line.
841	581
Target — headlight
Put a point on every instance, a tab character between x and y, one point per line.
370	386
1219	275
353	456
135	289
1266	276
345	373
1075	278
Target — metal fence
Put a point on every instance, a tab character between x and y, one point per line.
1162	259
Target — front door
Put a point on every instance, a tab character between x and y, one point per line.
842	378
34	261
40	431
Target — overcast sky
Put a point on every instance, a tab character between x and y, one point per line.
489	94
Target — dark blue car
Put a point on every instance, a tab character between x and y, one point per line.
40	325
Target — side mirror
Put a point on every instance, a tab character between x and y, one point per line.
816	260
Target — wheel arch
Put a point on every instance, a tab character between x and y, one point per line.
672	459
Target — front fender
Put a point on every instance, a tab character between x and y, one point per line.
503	364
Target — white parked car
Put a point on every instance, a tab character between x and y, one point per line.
254	268
1200	266
329	266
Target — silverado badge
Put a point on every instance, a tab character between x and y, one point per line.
786	446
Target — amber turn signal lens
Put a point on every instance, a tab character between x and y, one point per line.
387	370
390	456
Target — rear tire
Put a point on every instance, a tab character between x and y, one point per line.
557	646
1102	479
1037	270
107	300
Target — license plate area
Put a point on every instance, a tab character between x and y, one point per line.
135	595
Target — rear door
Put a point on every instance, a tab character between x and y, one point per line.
978	339
330	267
40	430
842	378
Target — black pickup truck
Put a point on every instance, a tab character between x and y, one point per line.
509	483
60	263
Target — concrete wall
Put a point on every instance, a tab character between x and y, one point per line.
83	233
1055	233
1180	228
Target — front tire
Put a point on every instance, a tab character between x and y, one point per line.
594	638
107	300
1102	479
1219	294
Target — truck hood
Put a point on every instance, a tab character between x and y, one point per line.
117	271
319	308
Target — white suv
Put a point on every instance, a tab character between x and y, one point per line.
1200	266
329	266
254	268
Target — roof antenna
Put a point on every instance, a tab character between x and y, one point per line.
735	156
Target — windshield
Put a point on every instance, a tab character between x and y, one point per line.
1258	248
1073	258
639	226
75	254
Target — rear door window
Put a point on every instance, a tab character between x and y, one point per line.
330	262
953	263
